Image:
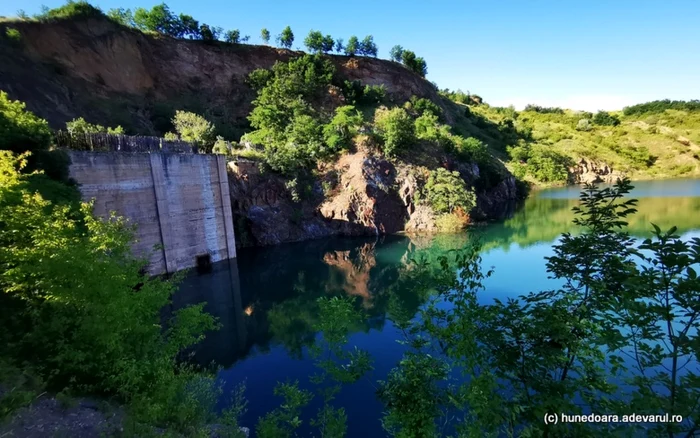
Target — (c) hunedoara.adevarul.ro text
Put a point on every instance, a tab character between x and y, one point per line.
554	418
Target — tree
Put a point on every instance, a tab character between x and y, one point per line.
342	128
122	16
286	38
189	27
232	36
604	118
265	35
367	47
352	47
195	129
314	41
21	130
159	19
396	53
339	46
414	63
396	129
328	43
447	191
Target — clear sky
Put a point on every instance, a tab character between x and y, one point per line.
589	55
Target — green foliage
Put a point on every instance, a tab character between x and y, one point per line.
446	191
72	9
13	35
283	421
314	41
195	129
342	128
284	118
367	47
81	126
584	125
542	163
396	129
543	110
352	47
221	146
396	53
604	118
265	35
21	130
339	45
414	63
84	313
233	36
423	105
659	106
286	38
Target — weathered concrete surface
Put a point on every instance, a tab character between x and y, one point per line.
177	201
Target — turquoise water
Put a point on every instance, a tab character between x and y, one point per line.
266	299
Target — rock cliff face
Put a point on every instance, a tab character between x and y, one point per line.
359	195
589	171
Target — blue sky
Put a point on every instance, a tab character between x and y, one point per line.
585	55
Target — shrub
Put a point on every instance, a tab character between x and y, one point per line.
72	9
342	128
446	191
195	129
81	126
547	165
84	313
13	35
471	149
396	129
423	105
221	146
21	130
584	125
543	110
604	118
452	222
659	106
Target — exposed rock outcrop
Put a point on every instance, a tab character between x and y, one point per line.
362	195
589	172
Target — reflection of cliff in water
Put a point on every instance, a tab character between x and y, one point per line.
268	296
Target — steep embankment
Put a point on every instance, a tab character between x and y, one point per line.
114	75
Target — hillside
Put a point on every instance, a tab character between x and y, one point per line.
115	75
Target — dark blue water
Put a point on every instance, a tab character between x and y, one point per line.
266	299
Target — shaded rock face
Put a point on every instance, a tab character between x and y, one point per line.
589	172
498	202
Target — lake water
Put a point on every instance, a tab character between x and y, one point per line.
266	299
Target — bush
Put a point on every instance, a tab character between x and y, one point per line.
604	118
13	35
471	149
543	110
659	106
396	129
84	313
452	222
81	126
547	165
584	125
21	130
342	128
446	192
195	129
221	146
422	105
72	9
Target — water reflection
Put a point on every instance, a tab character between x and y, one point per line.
267	297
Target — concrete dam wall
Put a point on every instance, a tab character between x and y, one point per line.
180	203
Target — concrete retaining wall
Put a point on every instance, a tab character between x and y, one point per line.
179	201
